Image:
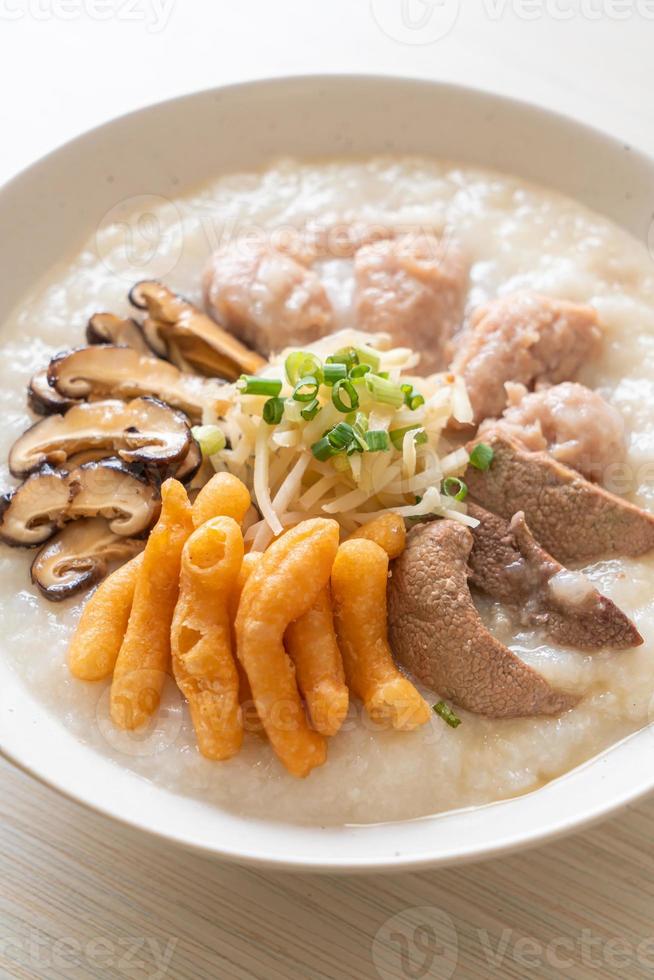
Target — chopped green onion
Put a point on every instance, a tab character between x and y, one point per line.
359	370
347	356
341	435
311	410
367	355
384	391
454	487
397	435
333	373
210	438
482	456
345	387
359	423
273	411
412	398
323	449
252	384
377	440
445	712
383	374
306	389
300	364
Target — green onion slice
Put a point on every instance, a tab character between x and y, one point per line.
333	373
347	356
252	384
310	411
397	436
273	411
359	370
366	355
345	388
377	440
412	398
341	435
482	456
323	449
210	438
301	364
306	389
445	712
454	487
384	391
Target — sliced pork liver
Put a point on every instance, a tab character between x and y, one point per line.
523	337
508	564
437	634
572	518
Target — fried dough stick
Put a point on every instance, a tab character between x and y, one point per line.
203	663
249	561
97	640
223	496
359	580
144	657
311	644
388	531
283	586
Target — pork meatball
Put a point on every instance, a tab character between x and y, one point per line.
574	424
266	298
413	288
524	337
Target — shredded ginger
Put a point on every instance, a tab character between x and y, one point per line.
398	456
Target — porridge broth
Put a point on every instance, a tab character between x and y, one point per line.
516	236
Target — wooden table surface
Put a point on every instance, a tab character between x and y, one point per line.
81	897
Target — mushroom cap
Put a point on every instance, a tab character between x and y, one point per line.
177	329
107	328
50	498
78	557
143	430
108	371
42	397
437	634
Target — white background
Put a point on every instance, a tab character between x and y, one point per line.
80	898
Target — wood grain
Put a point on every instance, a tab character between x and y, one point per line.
81	897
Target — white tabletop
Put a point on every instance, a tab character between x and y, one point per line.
80	897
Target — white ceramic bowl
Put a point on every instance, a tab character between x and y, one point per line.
49	210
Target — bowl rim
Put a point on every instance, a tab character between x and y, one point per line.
589	811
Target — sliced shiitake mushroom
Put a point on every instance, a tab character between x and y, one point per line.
106	371
43	399
190	465
49	498
107	328
184	470
78	556
143	430
175	326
